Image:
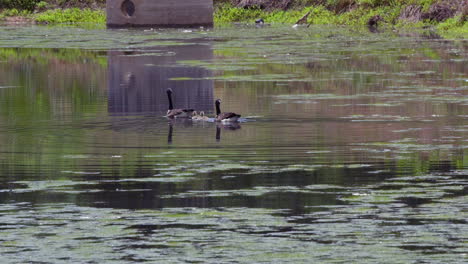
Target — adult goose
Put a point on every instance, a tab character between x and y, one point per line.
172	113
225	116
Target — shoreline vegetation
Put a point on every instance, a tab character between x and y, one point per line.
446	17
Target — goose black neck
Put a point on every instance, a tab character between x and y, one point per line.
170	100
218	109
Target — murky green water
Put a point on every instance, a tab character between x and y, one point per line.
355	147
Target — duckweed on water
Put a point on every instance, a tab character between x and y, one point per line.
314	235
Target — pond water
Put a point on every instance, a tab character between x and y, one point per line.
354	148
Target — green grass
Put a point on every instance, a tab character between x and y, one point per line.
71	15
319	15
225	13
14	12
359	16
455	27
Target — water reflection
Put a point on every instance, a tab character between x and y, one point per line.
180	123
225	126
169	134
138	79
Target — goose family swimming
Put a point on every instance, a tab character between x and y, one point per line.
192	114
172	113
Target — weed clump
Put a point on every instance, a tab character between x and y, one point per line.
71	15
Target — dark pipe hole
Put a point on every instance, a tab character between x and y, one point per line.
128	8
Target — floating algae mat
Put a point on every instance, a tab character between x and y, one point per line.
354	148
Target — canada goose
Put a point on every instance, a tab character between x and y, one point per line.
171	112
225	116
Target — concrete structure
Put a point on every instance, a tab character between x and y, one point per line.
137	80
169	13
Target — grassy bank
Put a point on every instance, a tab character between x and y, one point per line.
447	17
53	11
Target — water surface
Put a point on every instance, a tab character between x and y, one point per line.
354	147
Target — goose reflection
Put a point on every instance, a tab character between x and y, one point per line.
225	126
169	133
172	122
